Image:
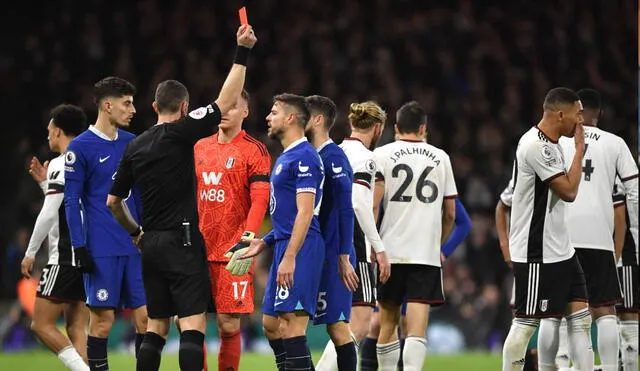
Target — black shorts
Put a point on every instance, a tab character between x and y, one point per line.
61	283
176	277
599	267
543	290
417	283
629	281
365	294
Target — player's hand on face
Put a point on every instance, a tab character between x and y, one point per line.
246	37
285	272
347	273
37	170
383	266
578	138
26	266
255	247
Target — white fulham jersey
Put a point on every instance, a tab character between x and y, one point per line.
364	174
538	228
590	216
51	221
417	178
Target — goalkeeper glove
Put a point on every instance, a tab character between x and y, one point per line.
236	266
83	260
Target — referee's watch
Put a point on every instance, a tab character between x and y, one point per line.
137	232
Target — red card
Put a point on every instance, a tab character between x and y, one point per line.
243	15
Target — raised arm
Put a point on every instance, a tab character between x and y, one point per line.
565	185
234	83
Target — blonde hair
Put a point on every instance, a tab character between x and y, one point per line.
366	114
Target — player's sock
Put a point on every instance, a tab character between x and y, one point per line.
229	354
150	352
205	367
329	359
531	360
579	329
608	342
548	334
388	355
298	355
139	339
563	359
415	349
279	351
346	357
97	353
368	358
515	346
629	346
400	361
190	355
70	357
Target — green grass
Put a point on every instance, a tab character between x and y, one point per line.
40	360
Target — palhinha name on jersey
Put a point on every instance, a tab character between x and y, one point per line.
414	151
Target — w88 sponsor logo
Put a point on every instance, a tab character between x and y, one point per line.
212	195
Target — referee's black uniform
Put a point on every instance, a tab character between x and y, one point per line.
160	164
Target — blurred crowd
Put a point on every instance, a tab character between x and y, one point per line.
481	69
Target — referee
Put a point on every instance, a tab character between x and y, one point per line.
160	164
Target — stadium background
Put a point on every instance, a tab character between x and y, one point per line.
480	68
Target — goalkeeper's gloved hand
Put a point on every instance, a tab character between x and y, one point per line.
239	267
83	260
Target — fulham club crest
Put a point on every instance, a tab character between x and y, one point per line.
544	305
230	162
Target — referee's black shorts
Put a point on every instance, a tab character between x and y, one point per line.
176	278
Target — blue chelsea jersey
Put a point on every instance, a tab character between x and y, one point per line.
336	210
297	170
91	162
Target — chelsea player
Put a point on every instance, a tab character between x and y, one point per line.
296	192
339	278
103	249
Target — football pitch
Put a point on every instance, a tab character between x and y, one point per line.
41	360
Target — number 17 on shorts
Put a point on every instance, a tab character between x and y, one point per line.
231	294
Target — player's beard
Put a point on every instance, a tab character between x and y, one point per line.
309	134
276	133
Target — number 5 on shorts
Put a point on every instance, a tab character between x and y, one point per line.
322	302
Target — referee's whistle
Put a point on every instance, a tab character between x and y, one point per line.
186	233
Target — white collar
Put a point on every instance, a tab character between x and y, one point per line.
301	140
102	135
329	141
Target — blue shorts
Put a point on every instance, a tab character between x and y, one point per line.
334	299
306	279
116	282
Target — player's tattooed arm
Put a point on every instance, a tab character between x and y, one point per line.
121	213
501	228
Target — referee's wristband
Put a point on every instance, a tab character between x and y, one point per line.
137	232
242	55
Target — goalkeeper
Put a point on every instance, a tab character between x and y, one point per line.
232	170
